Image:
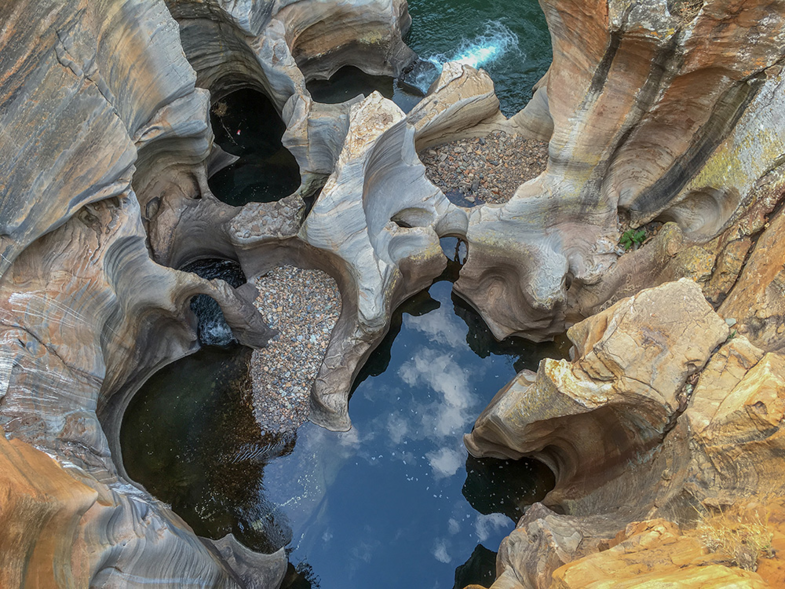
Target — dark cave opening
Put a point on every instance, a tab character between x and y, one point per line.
246	125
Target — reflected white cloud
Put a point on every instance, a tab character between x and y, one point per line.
445	462
484	525
350	439
440	552
397	427
440	326
453	526
443	375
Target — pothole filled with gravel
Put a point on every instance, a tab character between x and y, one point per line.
486	170
303	305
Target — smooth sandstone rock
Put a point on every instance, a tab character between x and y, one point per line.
588	418
645	117
652	554
712	441
756	302
649	121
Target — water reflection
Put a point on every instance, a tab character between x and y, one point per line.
396	501
495	486
246	124
191	438
480	569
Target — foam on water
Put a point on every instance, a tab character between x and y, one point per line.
495	42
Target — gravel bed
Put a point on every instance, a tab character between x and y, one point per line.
303	305
485	170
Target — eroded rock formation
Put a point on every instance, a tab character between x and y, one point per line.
659	415
660	110
106	148
666	111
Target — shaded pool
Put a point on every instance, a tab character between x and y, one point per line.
350	82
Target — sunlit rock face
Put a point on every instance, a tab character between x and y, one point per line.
659	110
617	400
85	314
106	150
659	415
274	48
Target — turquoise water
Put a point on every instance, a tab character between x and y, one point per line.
395	502
508	38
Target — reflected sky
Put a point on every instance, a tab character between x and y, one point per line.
383	505
394	502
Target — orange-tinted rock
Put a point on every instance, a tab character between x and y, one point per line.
588	418
756	301
652	554
40	508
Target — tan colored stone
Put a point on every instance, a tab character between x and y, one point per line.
738	439
756	301
652	554
461	104
40	508
727	269
587	418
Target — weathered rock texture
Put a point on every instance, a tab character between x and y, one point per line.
98	105
657	416
657	110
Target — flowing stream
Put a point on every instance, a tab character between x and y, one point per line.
507	38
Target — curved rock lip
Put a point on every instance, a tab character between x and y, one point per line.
105	156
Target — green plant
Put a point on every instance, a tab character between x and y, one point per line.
632	237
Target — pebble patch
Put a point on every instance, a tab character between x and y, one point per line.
303	305
486	170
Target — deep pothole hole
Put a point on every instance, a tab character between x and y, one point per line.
246	125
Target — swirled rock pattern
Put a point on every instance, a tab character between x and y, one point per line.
664	110
656	416
107	148
650	121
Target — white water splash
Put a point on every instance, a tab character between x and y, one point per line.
495	42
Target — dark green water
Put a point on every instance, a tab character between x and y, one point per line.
349	82
507	38
395	502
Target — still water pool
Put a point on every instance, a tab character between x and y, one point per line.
394	502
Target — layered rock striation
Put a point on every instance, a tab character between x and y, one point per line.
657	111
660	418
106	149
